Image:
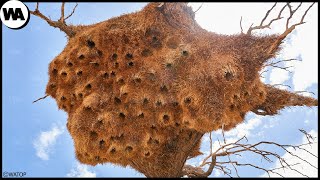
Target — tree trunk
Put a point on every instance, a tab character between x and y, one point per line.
171	163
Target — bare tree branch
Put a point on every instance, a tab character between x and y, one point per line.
71	12
277	62
61	24
273	85
288	30
40	98
37	6
261	26
62	13
308	136
198	8
291	13
234	148
267	14
241	25
304	92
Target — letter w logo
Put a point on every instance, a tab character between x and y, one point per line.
14	14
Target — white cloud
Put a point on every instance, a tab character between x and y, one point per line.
238	132
279	76
244	128
45	141
303	167
307	121
271	123
81	171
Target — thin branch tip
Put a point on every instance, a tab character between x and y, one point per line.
60	23
40	98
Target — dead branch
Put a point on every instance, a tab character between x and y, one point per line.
61	23
198	8
71	12
273	85
241	25
62	12
40	98
261	26
283	68
264	72
291	13
288	30
191	171
304	92
308	136
277	62
225	142
237	147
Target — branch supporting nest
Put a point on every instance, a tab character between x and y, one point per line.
61	23
242	146
288	30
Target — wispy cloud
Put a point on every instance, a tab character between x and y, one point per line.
81	171
303	167
46	140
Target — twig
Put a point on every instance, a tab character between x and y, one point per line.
291	13
288	30
304	92
264	71
273	85
62	12
261	26
277	62
72	12
308	136
61	24
40	98
241	25
198	8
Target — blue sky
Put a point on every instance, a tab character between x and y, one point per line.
34	137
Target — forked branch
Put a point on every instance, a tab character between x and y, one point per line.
61	23
288	30
263	26
241	146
